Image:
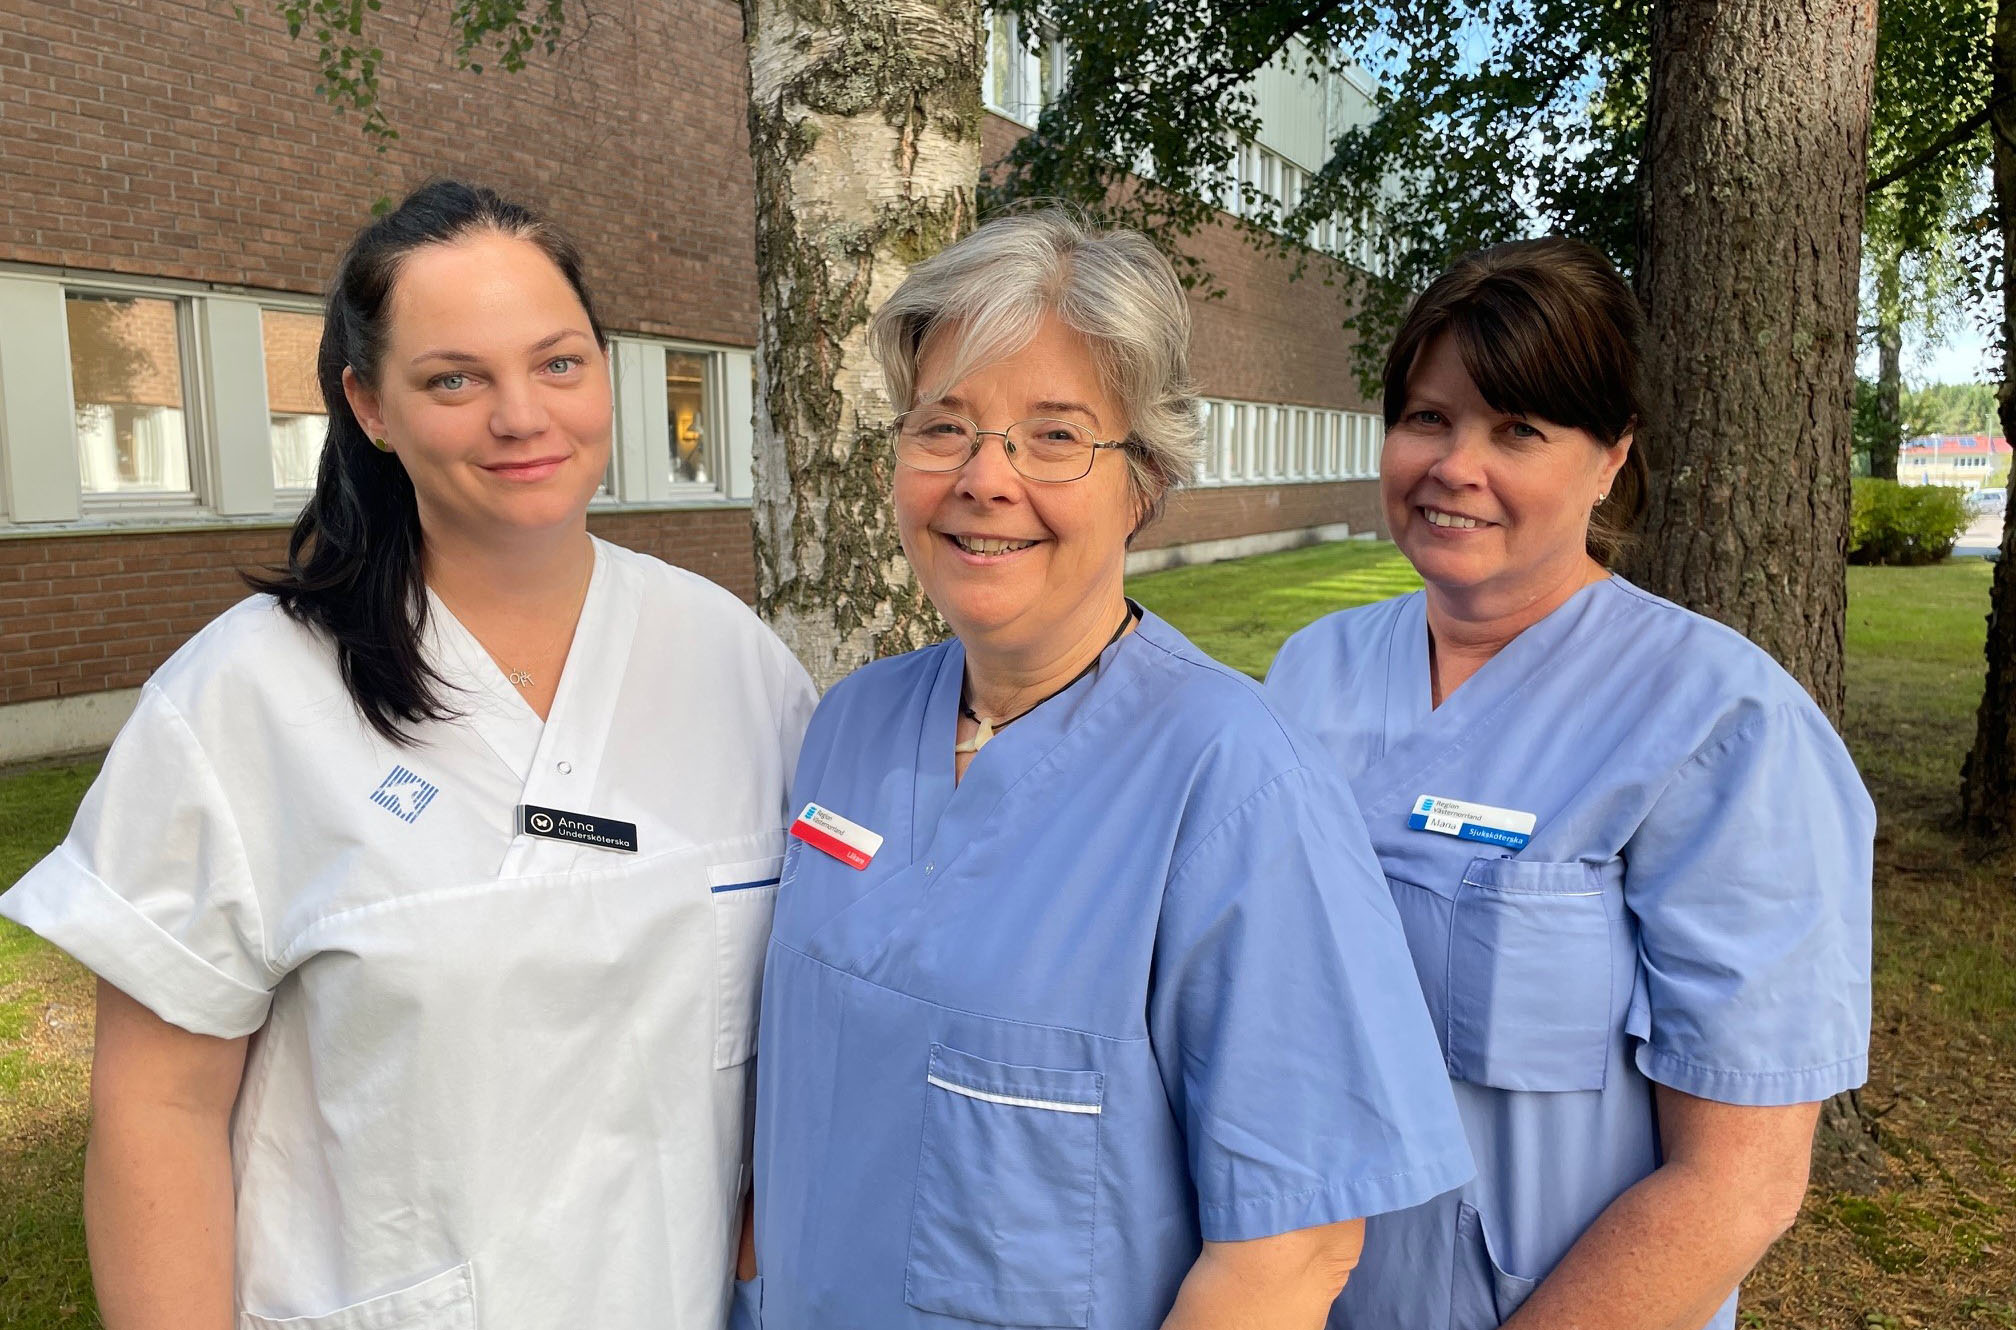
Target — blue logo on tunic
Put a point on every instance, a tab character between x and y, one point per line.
406	794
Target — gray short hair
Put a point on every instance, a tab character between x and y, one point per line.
1111	287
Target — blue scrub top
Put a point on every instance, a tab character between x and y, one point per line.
1134	983
1692	910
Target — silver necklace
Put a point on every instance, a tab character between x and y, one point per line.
523	678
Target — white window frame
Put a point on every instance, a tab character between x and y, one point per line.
1281	443
640	461
1026	91
290	497
204	470
228	422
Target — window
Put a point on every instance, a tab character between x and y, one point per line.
126	375
687	415
1248	443
290	339
1022	77
684	426
138	400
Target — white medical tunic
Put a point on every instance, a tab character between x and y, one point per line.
496	1081
1692	910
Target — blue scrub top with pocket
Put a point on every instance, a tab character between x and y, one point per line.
1134	983
1692	909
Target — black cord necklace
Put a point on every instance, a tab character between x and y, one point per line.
989	727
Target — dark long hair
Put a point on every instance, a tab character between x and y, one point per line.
353	561
1545	327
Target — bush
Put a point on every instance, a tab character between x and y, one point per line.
1904	524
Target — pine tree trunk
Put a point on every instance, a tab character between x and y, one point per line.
1988	781
1889	391
864	122
1751	232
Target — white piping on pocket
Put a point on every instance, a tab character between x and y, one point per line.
1054	1105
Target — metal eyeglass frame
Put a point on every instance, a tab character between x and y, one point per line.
1007	448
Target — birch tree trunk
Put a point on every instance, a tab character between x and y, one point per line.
1988	781
864	122
1756	155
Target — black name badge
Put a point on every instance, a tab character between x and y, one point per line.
604	833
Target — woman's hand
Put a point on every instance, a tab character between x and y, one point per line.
1286	1282
1669	1251
157	1173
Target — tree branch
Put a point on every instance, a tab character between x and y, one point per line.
1953	137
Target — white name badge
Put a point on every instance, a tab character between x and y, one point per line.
824	829
1467	821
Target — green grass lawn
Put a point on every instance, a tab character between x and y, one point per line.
1930	1244
45	1050
1242	611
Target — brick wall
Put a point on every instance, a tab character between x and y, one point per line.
81	614
85	613
172	138
1271	337
1247	510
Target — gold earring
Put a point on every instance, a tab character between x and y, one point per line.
381	445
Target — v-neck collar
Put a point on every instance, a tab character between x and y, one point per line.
494	707
1012	752
1419	734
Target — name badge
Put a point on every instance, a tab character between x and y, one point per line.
1478	822
604	833
824	829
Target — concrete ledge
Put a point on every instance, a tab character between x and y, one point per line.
61	726
1237	547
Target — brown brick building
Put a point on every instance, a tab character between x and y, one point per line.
176	195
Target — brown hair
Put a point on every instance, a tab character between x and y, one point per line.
1545	328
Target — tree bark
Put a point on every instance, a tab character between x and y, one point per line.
864	123
1988	780
1750	243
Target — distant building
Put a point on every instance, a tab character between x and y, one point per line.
1968	461
177	196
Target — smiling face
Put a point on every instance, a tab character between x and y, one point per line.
1016	565
1486	503
493	391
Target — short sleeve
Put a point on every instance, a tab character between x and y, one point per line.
796	700
1294	1042
1750	881
150	890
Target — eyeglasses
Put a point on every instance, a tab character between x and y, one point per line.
1050	451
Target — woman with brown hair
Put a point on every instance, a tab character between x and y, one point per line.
1631	855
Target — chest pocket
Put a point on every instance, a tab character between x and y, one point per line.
445	1302
1529	980
745	900
1007	1179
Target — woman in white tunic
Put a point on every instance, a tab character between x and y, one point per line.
428	890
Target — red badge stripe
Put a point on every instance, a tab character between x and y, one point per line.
833	845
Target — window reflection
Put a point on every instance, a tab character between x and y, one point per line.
126	374
686	417
293	397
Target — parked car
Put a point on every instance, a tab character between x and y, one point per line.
1988	501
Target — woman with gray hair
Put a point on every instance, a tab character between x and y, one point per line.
1086	1004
